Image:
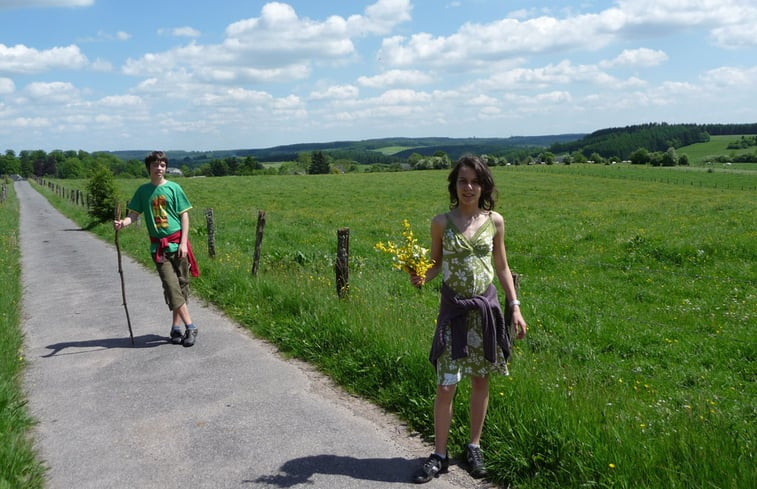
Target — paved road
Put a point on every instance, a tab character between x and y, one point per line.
227	413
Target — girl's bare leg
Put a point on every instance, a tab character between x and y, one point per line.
479	402
445	394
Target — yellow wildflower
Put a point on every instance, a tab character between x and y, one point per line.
408	256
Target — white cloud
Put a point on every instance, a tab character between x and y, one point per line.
276	46
7	86
279	37
733	23
31	122
120	101
393	78
642	57
52	92
735	37
185	31
729	76
380	18
337	92
20	59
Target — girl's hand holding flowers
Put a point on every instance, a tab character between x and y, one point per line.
408	256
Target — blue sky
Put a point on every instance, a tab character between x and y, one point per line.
229	74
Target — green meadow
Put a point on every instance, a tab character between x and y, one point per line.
639	287
702	153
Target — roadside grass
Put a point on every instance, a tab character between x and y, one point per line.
639	367
19	466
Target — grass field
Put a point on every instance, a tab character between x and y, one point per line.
640	293
701	153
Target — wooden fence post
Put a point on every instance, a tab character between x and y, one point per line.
342	265
211	232
258	242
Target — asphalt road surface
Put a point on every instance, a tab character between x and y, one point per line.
227	413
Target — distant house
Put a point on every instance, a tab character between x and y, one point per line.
174	172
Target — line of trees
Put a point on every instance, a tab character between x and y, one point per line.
621	142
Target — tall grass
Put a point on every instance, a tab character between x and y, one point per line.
639	366
18	464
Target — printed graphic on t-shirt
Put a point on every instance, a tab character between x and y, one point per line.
159	212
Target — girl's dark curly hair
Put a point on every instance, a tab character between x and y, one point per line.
489	192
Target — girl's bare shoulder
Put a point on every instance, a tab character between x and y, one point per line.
439	220
497	219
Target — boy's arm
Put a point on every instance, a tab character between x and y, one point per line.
122	223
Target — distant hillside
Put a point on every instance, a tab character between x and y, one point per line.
369	151
621	142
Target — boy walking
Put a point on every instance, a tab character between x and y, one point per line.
166	209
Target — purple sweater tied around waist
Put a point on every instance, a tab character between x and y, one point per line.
453	311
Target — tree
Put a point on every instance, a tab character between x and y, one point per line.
596	158
71	168
9	164
318	163
102	195
640	157
669	157
578	157
414	158
219	168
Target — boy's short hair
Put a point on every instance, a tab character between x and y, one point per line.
155	156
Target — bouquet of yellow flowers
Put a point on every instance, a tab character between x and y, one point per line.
408	256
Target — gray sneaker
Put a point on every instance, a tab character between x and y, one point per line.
432	467
475	458
190	337
176	335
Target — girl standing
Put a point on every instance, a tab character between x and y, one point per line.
468	248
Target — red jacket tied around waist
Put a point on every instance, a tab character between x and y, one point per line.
175	238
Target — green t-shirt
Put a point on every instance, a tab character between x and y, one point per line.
162	206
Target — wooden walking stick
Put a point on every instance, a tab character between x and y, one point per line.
121	273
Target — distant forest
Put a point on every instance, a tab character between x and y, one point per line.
652	143
370	151
622	142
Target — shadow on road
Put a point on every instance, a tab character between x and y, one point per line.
300	470
144	341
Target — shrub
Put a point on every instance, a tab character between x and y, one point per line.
102	195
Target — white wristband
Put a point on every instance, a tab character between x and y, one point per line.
514	303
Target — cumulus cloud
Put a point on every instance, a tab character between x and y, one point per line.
380	18
394	78
641	57
51	92
276	46
20	59
7	86
185	31
732	23
337	92
120	101
729	76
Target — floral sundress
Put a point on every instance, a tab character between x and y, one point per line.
468	270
